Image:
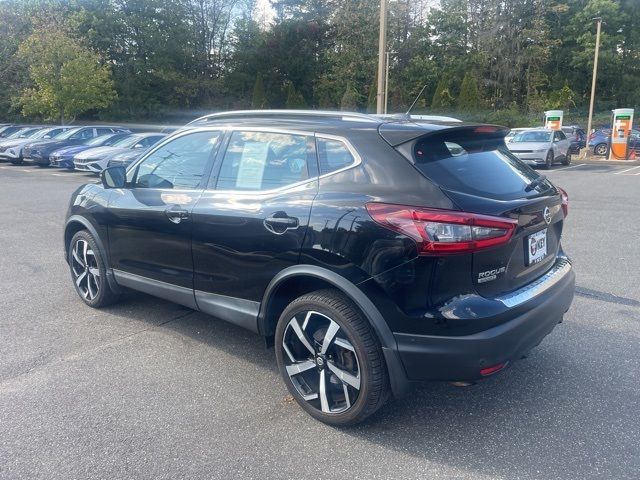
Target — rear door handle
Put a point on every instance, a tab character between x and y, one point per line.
280	222
176	214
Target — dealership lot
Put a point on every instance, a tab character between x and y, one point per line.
149	389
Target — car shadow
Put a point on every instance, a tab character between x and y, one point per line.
539	419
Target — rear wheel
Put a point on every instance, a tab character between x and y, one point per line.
88	271
330	358
549	160
600	149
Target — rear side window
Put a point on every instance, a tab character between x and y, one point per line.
332	155
475	164
263	161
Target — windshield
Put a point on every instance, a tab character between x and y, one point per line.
17	133
42	133
96	142
532	137
68	133
127	142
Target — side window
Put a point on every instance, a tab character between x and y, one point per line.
104	131
83	134
263	161
181	163
560	135
332	155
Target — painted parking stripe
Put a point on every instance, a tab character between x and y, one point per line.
571	166
627	170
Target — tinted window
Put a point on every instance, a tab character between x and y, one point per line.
104	131
537	137
82	134
474	164
263	161
333	155
181	163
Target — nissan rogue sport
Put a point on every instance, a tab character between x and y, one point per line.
372	252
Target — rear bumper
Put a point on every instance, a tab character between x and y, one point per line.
537	308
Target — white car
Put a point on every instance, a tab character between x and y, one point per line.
97	159
541	146
11	148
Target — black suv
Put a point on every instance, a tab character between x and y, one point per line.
373	252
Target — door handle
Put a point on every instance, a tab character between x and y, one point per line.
176	214
280	222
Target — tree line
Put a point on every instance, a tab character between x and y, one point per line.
504	61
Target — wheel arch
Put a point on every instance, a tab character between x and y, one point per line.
300	279
75	224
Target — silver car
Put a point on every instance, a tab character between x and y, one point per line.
541	146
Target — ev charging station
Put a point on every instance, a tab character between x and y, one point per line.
621	125
553	119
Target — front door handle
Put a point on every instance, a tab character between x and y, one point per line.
280	222
176	214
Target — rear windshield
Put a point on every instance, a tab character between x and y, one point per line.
475	164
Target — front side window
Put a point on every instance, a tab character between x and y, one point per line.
333	155
181	163
263	161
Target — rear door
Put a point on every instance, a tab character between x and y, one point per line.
251	221
480	176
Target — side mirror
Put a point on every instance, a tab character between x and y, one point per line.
114	177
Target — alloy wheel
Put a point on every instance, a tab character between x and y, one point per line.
86	272
321	362
601	149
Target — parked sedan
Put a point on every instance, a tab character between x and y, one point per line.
11	149
599	141
63	158
39	154
96	159
126	158
8	130
541	147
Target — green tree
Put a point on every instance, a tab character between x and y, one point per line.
294	98
442	98
469	98
349	101
259	99
68	79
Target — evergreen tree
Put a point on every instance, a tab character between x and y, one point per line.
442	97
469	98
349	101
259	99
295	100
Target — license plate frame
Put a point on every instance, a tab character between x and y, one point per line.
536	246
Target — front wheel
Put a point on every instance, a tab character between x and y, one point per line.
567	159
88	271
330	358
549	160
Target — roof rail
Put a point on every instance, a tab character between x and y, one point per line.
275	113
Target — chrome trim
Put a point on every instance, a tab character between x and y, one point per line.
539	286
299	113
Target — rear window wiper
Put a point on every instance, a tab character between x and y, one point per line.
535	183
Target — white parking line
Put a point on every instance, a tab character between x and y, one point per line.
627	170
566	168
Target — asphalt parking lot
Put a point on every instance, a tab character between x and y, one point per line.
149	389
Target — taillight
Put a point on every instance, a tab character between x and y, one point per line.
442	232
565	201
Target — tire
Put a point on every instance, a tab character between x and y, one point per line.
353	352
567	159
88	271
17	162
601	149
548	161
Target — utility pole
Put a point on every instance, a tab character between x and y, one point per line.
382	47
386	83
598	21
